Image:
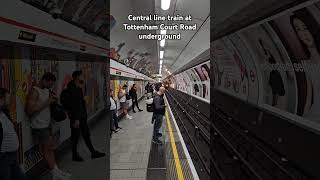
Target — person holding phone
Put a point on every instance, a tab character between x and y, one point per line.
38	109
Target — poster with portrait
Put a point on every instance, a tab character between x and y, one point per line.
202	71
299	33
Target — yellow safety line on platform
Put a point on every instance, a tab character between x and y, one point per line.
174	149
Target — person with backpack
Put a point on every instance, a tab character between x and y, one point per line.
159	109
73	101
134	97
9	143
38	105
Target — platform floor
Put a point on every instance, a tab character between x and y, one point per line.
130	147
133	156
96	167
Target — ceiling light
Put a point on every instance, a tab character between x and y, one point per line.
165	4
162	42
161	54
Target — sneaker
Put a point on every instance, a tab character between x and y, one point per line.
57	176
97	154
64	173
129	117
134	111
156	141
140	110
159	134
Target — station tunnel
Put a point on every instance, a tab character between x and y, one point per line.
159	89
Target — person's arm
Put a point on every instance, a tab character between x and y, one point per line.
157	103
32	106
308	97
1	135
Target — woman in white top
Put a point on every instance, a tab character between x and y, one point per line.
123	101
9	143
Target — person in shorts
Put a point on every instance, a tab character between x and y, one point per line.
123	101
38	109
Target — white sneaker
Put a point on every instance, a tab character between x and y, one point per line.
129	117
64	173
57	176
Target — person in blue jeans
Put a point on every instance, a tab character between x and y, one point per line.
114	126
158	113
9	143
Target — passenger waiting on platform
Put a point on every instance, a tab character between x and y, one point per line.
158	113
9	143
123	101
114	126
38	109
77	112
134	97
149	90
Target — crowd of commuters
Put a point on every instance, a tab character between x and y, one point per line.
38	109
39	112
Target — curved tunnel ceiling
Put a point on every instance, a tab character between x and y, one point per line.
144	54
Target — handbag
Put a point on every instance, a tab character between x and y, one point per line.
57	112
128	97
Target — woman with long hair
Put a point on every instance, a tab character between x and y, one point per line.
205	71
307	30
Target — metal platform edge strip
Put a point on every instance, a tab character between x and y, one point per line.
184	147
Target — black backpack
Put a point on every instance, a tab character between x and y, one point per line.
65	99
57	112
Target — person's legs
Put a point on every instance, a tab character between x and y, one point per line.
86	135
115	119
136	99
16	171
75	135
5	168
157	126
48	152
112	120
133	104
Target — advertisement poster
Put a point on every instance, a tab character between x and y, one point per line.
277	62
299	33
232	72
202	72
278	87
